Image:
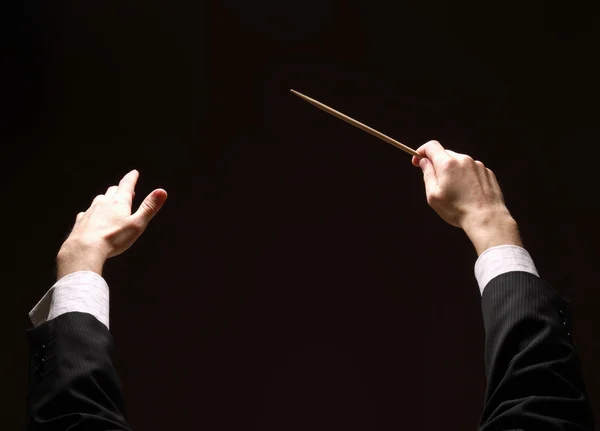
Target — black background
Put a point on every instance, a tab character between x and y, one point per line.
296	278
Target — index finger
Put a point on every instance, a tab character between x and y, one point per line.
432	150
127	186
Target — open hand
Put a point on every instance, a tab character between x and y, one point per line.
108	227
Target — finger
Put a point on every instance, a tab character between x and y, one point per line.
491	175
471	164
420	150
415	161
150	207
493	181
127	186
457	155
111	191
97	199
434	151
481	169
463	158
482	174
79	217
429	176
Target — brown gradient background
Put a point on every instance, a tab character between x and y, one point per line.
296	278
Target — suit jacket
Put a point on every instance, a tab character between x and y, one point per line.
534	380
534	377
73	384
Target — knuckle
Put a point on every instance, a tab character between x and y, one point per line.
466	160
427	145
137	223
421	149
133	228
138	226
434	198
450	164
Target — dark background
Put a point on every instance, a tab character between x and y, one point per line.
296	278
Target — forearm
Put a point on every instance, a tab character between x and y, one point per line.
72	258
79	286
532	367
73	383
490	230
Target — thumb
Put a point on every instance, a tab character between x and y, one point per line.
429	176
150	207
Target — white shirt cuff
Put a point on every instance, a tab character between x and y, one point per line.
500	259
82	291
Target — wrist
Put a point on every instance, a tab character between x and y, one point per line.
493	230
76	257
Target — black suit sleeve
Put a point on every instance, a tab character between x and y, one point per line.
73	384
534	379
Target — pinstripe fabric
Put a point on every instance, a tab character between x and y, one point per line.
534	380
533	373
73	384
